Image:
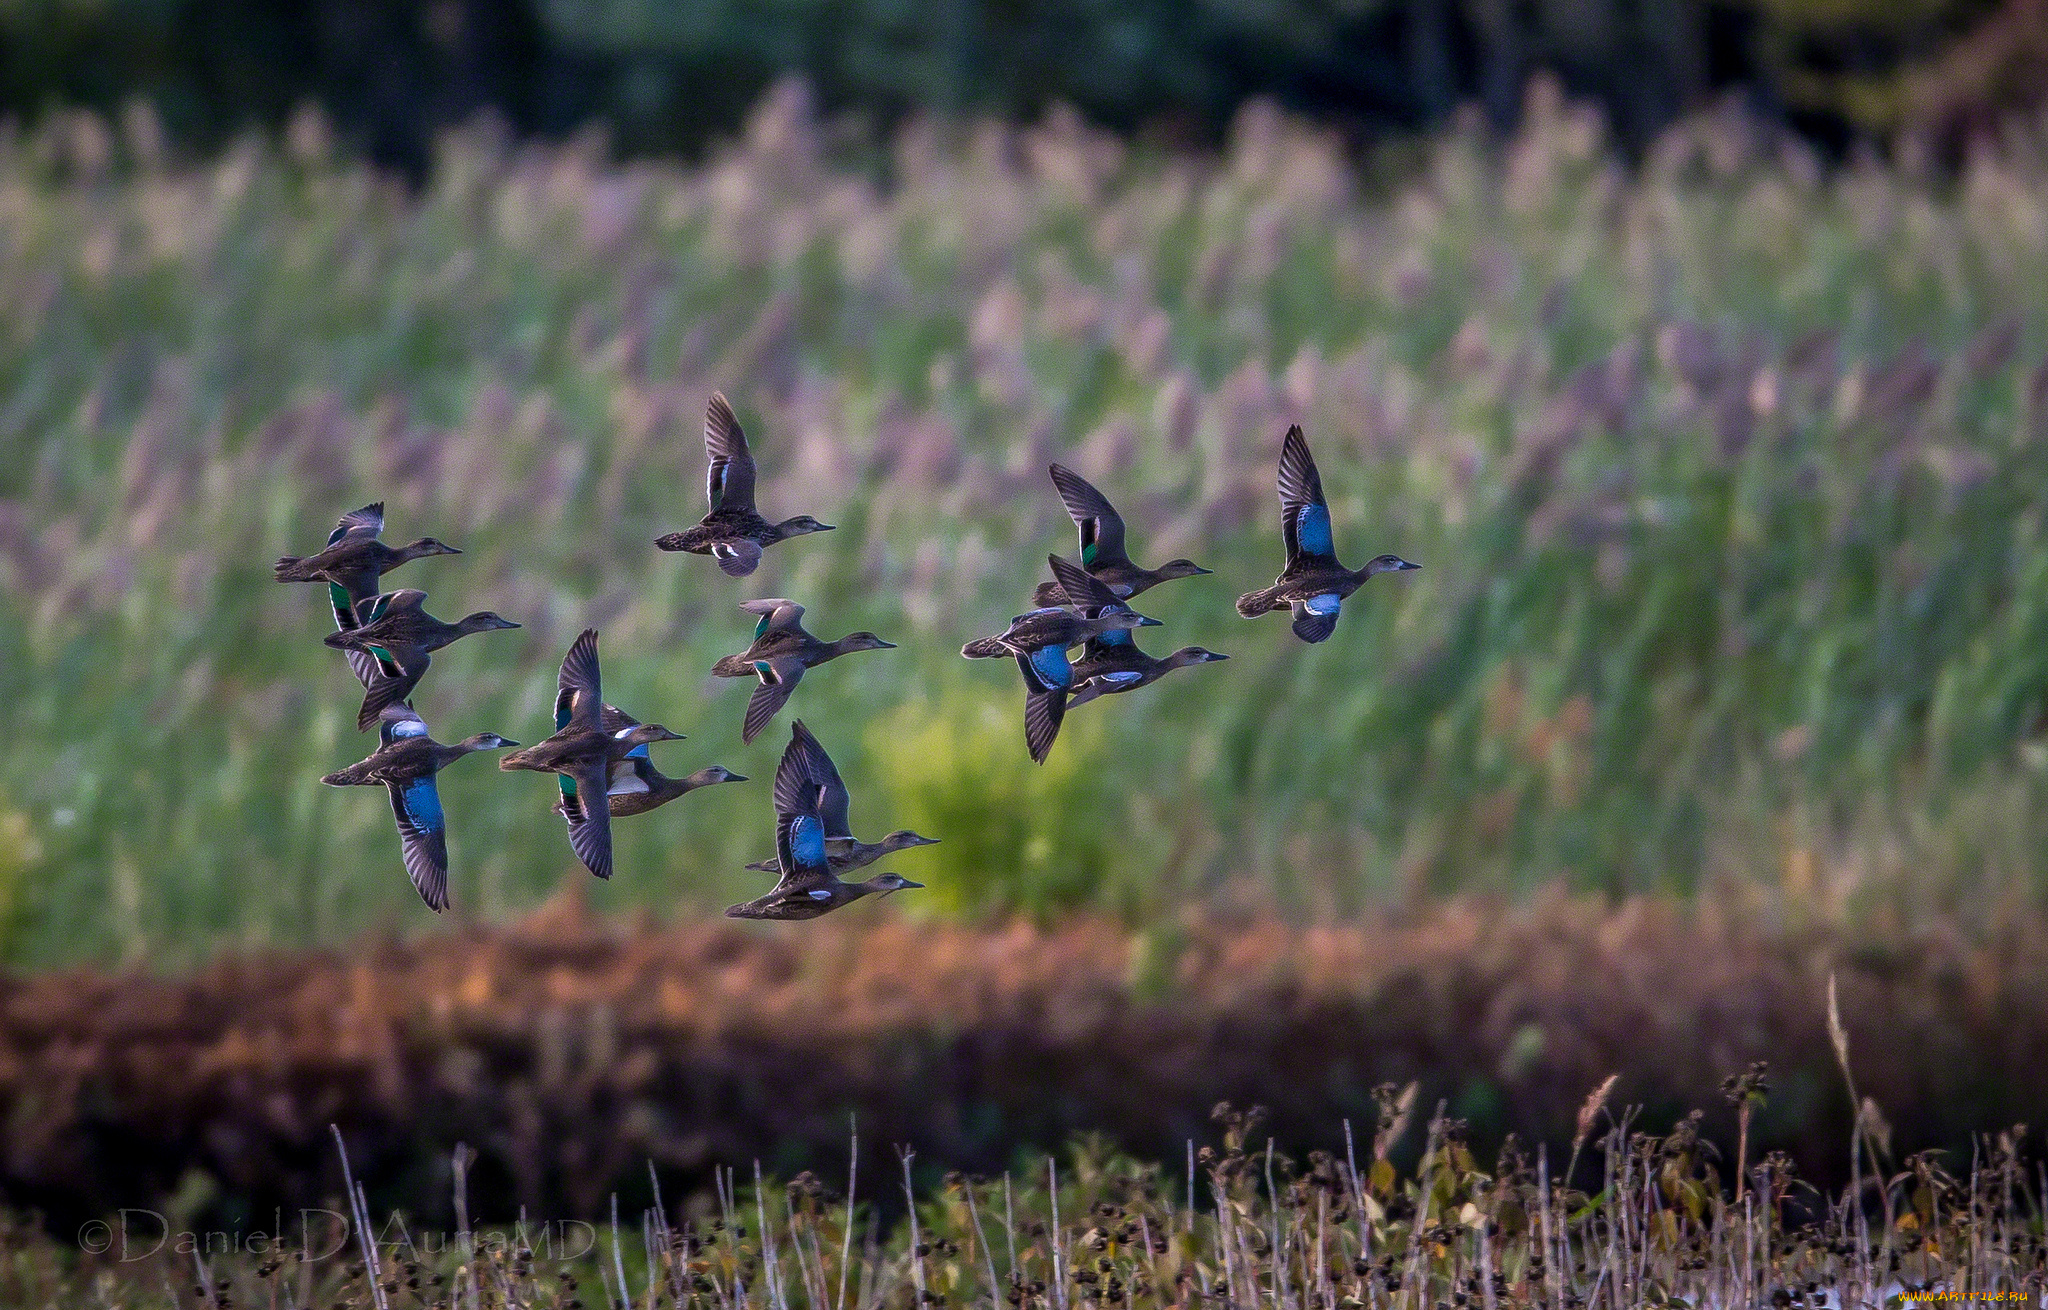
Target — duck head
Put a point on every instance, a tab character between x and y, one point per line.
801	524
640	734
1386	564
425	547
1187	655
1122	616
903	839
485	621
486	741
1180	568
713	775
884	883
864	641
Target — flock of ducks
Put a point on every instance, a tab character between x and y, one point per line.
599	754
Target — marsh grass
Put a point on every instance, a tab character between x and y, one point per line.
1725	473
1637	1219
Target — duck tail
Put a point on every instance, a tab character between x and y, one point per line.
985	648
287	569
1254	603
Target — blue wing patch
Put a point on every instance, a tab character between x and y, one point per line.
423	805
1312	530
1326	603
1122	676
807	841
639	753
1050	663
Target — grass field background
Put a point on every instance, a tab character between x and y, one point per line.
1726	472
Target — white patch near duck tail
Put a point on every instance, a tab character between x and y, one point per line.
1327	603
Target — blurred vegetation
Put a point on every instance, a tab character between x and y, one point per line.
664	77
1727	477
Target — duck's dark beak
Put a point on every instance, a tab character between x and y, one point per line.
449	550
1213	656
1404	565
1144	622
730	776
926	841
885	645
908	885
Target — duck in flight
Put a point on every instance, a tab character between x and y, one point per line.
1039	641
843	850
1102	544
400	636
350	564
807	887
780	653
1113	663
733	533
1313	584
404	764
636	785
583	754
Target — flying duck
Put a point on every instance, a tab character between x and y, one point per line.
1313	584
404	764
350	565
1102	544
733	533
780	653
843	849
400	635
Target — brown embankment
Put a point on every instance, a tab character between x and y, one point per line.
569	1050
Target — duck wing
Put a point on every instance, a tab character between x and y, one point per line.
1304	514
777	615
1101	527
1083	589
579	699
779	677
589	813
399	670
360	663
1047	676
835	803
737	556
399	723
617	722
1315	618
729	483
423	832
799	827
366	522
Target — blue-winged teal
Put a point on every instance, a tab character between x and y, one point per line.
807	888
404	764
780	653
835	804
636	786
350	565
733	533
583	754
1102	544
396	631
1107	666
1039	641
1313	584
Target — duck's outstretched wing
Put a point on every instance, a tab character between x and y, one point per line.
1101	527
589	813
1304	514
399	722
1315	618
360	663
1084	591
799	828
777	615
729	482
399	670
616	721
1047	676
835	803
579	689
423	832
737	557
778	679
365	522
